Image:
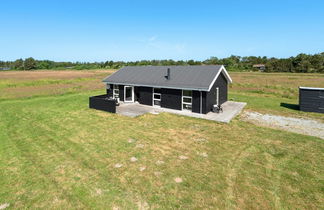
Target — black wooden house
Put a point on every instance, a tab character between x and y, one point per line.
193	88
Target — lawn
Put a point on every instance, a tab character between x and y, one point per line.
55	152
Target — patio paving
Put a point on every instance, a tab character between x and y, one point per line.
230	110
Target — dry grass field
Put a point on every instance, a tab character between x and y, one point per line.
56	153
23	84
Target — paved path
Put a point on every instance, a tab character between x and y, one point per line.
230	110
296	125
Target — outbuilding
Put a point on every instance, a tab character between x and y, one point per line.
311	99
190	88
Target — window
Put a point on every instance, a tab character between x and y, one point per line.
116	91
187	93
187	100
156	97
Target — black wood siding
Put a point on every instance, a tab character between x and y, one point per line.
121	92
196	101
171	98
221	83
145	95
311	100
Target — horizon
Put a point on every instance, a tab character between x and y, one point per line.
102	61
98	31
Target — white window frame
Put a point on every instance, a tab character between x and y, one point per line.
187	103
115	95
125	94
155	99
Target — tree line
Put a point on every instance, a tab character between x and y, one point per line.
301	63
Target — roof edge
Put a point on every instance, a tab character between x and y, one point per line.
157	86
227	76
311	88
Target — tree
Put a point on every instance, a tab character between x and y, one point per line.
18	64
30	63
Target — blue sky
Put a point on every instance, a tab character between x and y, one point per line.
97	30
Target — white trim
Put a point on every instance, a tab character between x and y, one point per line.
154	99
229	79
182	103
132	101
113	89
311	88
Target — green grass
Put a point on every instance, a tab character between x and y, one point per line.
55	152
273	105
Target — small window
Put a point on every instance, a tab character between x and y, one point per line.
187	93
157	96
187	100
116	91
187	106
157	103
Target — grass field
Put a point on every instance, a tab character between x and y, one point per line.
57	153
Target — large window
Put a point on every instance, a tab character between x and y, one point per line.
156	97
187	100
116	91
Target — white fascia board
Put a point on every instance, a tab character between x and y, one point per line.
227	76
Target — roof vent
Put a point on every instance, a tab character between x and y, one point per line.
168	76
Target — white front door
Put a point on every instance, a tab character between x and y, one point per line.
128	94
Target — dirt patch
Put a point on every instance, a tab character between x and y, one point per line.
296	125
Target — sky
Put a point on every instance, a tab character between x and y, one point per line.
98	30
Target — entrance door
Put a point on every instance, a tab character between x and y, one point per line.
129	94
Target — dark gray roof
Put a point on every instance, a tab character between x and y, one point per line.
182	77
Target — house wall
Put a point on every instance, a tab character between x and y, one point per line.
196	97
171	98
144	95
311	100
121	92
221	83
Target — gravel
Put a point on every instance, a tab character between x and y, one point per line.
296	125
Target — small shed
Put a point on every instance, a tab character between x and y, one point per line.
311	99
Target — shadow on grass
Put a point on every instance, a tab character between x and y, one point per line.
290	106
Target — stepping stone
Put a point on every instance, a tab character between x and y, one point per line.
203	154
118	165
140	146
182	157
98	191
131	141
157	173
133	159
201	140
159	162
178	180
5	205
